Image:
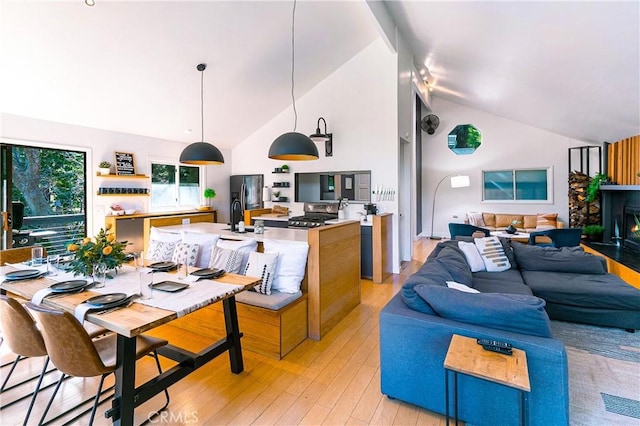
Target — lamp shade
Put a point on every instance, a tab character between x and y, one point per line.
460	181
293	146
201	154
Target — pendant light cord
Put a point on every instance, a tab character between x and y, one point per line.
202	103
293	62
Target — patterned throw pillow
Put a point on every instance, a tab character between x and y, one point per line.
262	265
493	255
160	251
185	253
226	259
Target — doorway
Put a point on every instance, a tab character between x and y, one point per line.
42	196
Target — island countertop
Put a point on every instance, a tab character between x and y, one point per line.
224	230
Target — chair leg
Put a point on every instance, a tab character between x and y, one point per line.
166	392
97	400
55	391
35	392
13	367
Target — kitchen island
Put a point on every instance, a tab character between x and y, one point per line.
332	281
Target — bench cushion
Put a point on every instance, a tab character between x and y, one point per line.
276	300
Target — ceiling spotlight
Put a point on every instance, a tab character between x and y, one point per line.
90	2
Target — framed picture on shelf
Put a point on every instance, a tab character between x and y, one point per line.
124	164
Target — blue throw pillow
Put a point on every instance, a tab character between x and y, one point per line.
431	273
455	262
510	312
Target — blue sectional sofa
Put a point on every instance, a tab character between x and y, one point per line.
417	324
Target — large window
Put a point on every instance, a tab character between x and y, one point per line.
174	185
518	185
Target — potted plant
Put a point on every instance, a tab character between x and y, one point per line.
593	232
284	168
594	187
209	194
104	168
276	195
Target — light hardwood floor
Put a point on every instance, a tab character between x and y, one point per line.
334	381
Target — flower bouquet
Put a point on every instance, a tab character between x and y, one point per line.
102	250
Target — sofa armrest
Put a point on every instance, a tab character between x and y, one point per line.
413	347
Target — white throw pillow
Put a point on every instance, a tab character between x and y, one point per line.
262	265
292	262
492	252
160	251
476	219
158	234
243	246
461	287
205	242
227	259
185	253
472	255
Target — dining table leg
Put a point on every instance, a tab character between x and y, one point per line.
123	398
233	334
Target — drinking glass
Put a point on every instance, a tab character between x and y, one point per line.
138	259
36	255
146	279
99	275
53	260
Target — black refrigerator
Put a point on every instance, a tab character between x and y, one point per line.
247	189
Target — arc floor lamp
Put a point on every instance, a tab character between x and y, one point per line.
457	181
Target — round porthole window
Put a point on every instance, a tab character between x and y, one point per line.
464	139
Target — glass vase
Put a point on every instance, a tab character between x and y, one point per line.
99	275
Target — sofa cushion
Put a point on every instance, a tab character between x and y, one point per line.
508	251
493	254
503	220
509	281
489	219
430	273
547	221
454	261
274	301
554	259
510	312
530	221
590	291
476	219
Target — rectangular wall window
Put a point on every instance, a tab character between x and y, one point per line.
174	185
518	185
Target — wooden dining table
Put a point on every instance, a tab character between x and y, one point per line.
133	320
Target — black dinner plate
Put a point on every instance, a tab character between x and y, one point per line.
162	266
23	274
106	299
208	272
169	286
68	286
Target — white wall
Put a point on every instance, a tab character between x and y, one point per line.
101	145
506	144
359	103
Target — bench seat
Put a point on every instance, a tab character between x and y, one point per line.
272	332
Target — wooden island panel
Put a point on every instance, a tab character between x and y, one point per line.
333	272
382	247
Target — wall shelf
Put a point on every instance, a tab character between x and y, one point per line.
114	176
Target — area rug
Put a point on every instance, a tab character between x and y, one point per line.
604	374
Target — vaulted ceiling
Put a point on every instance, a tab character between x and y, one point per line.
572	68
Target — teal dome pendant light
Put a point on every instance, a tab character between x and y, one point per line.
201	153
293	146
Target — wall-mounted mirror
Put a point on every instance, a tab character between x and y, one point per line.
333	186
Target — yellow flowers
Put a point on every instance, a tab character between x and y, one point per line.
103	249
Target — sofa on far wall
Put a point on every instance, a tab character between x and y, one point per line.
526	222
